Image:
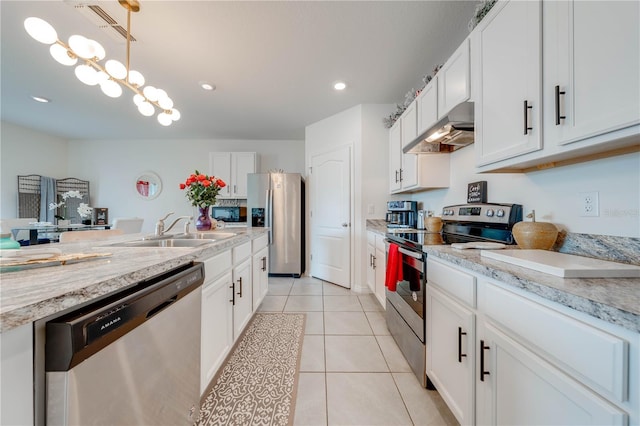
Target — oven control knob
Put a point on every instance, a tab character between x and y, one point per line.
500	213
490	213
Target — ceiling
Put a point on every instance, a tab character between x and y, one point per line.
273	63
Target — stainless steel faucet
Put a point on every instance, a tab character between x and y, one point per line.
160	231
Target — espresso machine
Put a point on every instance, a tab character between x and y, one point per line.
402	214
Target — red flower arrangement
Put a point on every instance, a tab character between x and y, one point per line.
202	190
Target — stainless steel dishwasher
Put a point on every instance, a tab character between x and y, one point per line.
133	358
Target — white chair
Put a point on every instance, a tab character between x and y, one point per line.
96	234
6	225
130	225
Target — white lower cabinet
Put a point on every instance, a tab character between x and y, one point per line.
450	352
243	297
528	360
380	266
516	387
376	265
216	326
260	276
16	373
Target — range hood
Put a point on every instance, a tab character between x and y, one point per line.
453	131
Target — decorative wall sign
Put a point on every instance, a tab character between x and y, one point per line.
477	192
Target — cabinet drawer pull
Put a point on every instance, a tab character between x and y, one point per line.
482	372
264	263
558	116
233	293
240	281
460	354
373	258
527	107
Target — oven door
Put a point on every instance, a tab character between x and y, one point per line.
408	299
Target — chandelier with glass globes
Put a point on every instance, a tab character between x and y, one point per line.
113	75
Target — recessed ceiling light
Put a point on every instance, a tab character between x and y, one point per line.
40	99
339	85
207	86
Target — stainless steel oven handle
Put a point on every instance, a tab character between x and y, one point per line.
410	253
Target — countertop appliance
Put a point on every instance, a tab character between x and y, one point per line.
406	309
402	214
229	213
276	201
131	358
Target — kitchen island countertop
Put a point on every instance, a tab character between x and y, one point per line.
33	294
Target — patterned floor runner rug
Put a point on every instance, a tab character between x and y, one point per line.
257	384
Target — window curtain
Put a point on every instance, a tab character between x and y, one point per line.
47	196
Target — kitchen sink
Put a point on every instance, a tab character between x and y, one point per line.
170	242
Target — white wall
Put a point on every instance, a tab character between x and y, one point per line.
553	193
23	152
360	128
112	167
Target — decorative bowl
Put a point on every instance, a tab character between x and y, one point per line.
535	235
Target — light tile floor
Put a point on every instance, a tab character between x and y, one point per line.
351	370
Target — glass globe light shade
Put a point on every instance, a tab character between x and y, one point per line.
146	109
175	114
138	99
81	46
165	102
161	94
111	88
136	79
116	69
97	50
87	75
102	76
61	55
164	119
40	30
151	93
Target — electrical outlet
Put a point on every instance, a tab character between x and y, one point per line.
371	209
589	204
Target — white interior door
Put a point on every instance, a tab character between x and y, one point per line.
331	216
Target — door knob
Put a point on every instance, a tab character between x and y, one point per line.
344	225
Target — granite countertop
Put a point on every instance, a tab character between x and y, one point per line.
615	300
34	294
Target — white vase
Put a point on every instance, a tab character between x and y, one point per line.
64	222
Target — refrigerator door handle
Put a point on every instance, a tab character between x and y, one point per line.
269	214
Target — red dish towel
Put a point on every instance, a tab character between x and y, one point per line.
394	268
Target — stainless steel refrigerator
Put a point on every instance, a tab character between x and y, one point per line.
276	201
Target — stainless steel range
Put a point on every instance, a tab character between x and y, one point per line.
488	222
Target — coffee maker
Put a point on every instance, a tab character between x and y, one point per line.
402	214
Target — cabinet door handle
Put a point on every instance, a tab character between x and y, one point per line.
400	175
235	189
482	372
558	116
527	107
460	334
264	263
397	176
233	293
240	292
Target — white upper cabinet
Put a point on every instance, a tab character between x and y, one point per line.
412	172
427	103
591	68
509	104
233	167
453	80
576	63
395	157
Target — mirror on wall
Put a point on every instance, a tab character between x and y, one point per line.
148	185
